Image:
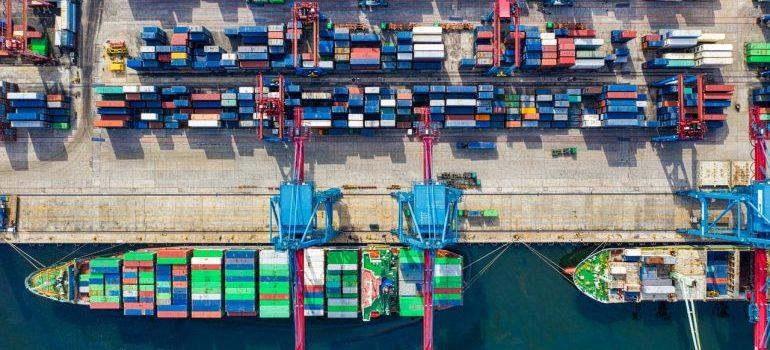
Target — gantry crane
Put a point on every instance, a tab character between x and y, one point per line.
430	210
295	211
503	11
689	126
307	13
270	107
18	46
753	230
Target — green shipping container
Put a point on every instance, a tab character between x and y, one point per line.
60	126
139	256
108	90
757	46
757	59
208	253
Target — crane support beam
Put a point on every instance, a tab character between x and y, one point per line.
427	314
299	299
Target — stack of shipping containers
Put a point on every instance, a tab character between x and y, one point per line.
206	278
533	48
240	282
38	110
459	106
428	46
342	283
404	108
618	106
371	107
410	282
315	281
274	284
448	281
342	48
761	98
687	49
365	51
717	97
483	46
405	50
139	283
757	53
104	283
66	24
172	283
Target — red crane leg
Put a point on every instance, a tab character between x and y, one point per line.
760	298
299	300
427	295
680	106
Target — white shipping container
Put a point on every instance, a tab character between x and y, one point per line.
148	89
387	103
372	90
713	62
425	39
560	117
130	293
317	123
275	28
658	289
589	42
130	89
437	103
714	54
343	267
387	123
448	270
429	55
588	63
711	37
203	123
714	47
404	56
271	253
229	57
355	124
274	42
460	124
147	49
371	123
247	123
316	96
149	116
591	124
456	102
201	260
680	33
549	42
342	302
273	94
679	56
195	296
355	116
641	104
548	36
326	64
314	266
246	89
57	38
23	95
432	30
428	47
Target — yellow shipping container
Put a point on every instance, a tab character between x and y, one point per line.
178	55
528	110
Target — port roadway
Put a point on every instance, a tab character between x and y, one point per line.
209	186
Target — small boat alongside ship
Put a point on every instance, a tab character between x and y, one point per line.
656	273
214	282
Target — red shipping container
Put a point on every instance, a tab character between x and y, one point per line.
484	34
254	64
564	41
719	88
565	61
365	53
54	98
173	253
172	314
717	96
569	47
113	104
130	280
104	306
133	97
549	62
314	289
512	35
114	117
456	117
205	267
168	105
275	35
567	53
109	123
548	55
155	125
179	284
549	48
628	34
484	48
208	111
715	117
164	57
146	293
447	290
651	37
206	314
205	97
531	116
618	94
274	296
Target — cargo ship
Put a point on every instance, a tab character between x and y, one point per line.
624	275
214	282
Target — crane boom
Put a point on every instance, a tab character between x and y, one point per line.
757	133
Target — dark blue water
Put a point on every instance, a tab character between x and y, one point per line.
519	303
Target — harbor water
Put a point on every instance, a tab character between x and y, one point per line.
519	302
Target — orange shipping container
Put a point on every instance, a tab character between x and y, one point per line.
203	116
513	124
532	116
109	124
113	104
482	117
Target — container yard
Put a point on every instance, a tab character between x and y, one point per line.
325	166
